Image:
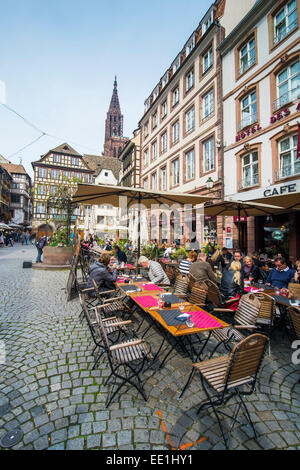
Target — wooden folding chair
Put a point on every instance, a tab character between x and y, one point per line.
127	361
112	325
232	376
214	296
244	322
294	291
111	305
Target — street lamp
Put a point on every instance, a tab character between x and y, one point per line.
209	183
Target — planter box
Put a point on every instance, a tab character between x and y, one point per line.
58	255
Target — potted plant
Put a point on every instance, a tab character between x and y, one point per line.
180	254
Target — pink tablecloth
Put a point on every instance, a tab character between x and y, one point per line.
151	287
201	319
120	281
146	301
253	289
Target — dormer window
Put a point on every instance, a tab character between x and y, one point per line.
285	21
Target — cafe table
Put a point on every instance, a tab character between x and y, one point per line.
180	334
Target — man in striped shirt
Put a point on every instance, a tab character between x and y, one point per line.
156	273
185	264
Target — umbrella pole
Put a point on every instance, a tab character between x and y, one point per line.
239	227
139	227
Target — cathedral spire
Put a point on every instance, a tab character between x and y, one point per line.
113	125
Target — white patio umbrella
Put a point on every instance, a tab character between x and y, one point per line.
4	226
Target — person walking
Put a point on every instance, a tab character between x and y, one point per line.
27	238
40	246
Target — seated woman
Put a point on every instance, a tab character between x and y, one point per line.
232	284
250	270
185	264
297	273
104	276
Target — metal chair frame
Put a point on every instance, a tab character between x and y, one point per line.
138	354
240	372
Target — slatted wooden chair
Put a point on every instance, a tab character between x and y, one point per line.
181	285
198	295
294	291
266	312
111	305
231	376
114	327
127	361
214	296
244	322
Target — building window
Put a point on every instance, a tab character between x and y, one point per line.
250	175
247	56
154	150
190	120
164	142
288	85
42	173
146	129
57	158
208	104
154	120
100	219
41	208
66	174
146	183
248	110
209	155
55	174
190	165
164	110
41	189
52	190
163	174
78	176
288	163
146	157
175	172
285	21
75	161
175	96
175	132
207	60
154	182
189	80
87	178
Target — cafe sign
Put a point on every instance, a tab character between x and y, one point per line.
277	117
284	189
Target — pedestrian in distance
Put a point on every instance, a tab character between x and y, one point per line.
40	246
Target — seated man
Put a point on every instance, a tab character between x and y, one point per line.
120	255
281	275
103	275
201	270
156	273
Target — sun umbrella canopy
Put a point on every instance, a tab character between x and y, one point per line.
287	201
100	194
4	226
240	208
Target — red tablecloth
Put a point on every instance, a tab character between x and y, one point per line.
146	301
151	287
201	319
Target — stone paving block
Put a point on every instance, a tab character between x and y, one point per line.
93	441
141	435
58	436
108	440
75	444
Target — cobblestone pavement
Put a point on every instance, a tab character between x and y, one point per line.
59	403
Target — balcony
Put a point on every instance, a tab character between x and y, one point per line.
247	65
288	171
249	182
286	98
284	32
247	121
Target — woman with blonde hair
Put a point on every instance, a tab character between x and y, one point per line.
232	284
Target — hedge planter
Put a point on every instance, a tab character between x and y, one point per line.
58	255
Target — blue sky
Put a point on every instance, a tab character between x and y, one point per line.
58	59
